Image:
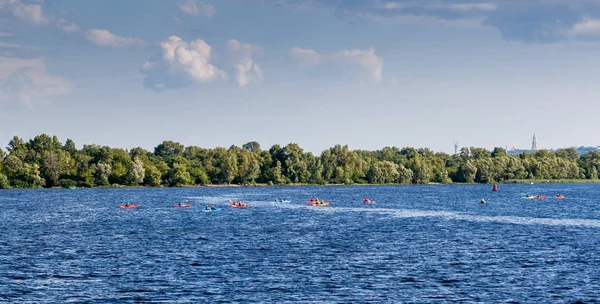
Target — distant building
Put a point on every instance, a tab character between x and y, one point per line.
455	147
534	146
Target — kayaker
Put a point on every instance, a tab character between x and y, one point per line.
212	207
483	201
127	204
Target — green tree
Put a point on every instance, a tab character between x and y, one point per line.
70	146
101	173
467	172
169	148
179	176
152	176
197	173
4	183
135	172
251	146
55	164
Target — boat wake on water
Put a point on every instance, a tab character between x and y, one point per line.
460	216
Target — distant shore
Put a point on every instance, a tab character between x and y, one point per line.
46	162
524	182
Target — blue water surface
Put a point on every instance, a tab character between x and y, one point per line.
415	244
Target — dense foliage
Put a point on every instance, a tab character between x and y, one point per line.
46	162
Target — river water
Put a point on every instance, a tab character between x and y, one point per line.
415	244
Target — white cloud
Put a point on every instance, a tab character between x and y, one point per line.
366	60
29	12
26	81
392	5
181	63
69	27
34	13
305	57
9	45
106	38
421	20
247	71
191	7
586	27
465	7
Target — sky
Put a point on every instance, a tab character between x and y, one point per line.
366	73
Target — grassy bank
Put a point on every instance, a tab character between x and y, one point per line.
551	181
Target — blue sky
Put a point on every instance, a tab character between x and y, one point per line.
367	73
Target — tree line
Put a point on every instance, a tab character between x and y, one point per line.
46	162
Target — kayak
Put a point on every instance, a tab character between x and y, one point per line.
211	210
182	205
368	202
238	205
560	196
529	197
282	202
318	203
128	207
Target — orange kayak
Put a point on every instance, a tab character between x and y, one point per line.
128	207
320	204
240	205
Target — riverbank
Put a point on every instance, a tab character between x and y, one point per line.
551	181
525	181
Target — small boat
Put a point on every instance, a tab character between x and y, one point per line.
128	206
368	201
541	197
313	201
239	204
182	205
559	196
528	197
318	203
211	210
281	202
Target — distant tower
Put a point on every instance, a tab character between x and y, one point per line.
455	147
534	146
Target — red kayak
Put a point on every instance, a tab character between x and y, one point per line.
128	206
182	206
